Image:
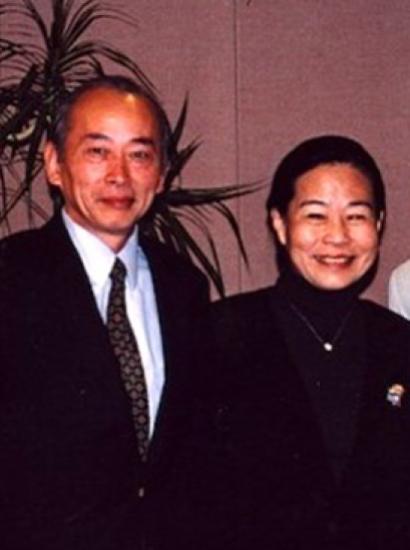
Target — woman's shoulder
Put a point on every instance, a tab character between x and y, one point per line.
387	323
247	313
383	314
251	302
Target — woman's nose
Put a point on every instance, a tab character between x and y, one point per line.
337	231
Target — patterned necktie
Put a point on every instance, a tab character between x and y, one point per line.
126	351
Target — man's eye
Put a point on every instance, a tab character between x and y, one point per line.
141	155
315	216
97	152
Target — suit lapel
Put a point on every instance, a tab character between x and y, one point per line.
379	423
84	328
173	333
378	375
70	285
70	296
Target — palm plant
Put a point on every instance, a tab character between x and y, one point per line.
40	63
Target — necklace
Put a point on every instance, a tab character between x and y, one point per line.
327	345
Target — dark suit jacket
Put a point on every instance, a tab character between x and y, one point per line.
282	493
69	467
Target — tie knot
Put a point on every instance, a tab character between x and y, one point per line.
118	271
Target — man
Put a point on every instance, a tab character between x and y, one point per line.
95	394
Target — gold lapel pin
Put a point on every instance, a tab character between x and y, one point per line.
395	394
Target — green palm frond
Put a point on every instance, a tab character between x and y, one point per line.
200	196
42	62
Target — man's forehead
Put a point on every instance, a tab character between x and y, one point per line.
104	106
109	96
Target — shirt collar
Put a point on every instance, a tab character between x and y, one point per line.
98	259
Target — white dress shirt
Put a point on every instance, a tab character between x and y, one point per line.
399	290
98	260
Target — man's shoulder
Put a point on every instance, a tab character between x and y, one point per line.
18	264
19	240
20	248
163	257
243	316
30	239
31	251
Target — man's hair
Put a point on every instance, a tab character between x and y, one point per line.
61	125
318	151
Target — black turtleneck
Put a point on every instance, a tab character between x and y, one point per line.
309	316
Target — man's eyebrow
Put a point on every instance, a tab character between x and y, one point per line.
144	141
137	140
95	135
310	202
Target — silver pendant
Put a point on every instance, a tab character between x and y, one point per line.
327	346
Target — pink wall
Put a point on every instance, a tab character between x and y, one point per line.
262	75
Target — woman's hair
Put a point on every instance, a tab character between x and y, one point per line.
318	151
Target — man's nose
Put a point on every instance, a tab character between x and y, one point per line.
118	170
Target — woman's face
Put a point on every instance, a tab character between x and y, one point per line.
330	230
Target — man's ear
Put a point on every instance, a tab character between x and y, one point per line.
52	165
278	225
160	186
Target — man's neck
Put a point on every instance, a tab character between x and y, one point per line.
114	241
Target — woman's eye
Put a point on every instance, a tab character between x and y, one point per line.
359	216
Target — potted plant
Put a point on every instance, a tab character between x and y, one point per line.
40	63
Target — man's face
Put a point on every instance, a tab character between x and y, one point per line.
110	170
330	230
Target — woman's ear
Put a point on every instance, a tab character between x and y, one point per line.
380	223
278	224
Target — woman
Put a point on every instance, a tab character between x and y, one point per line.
313	381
